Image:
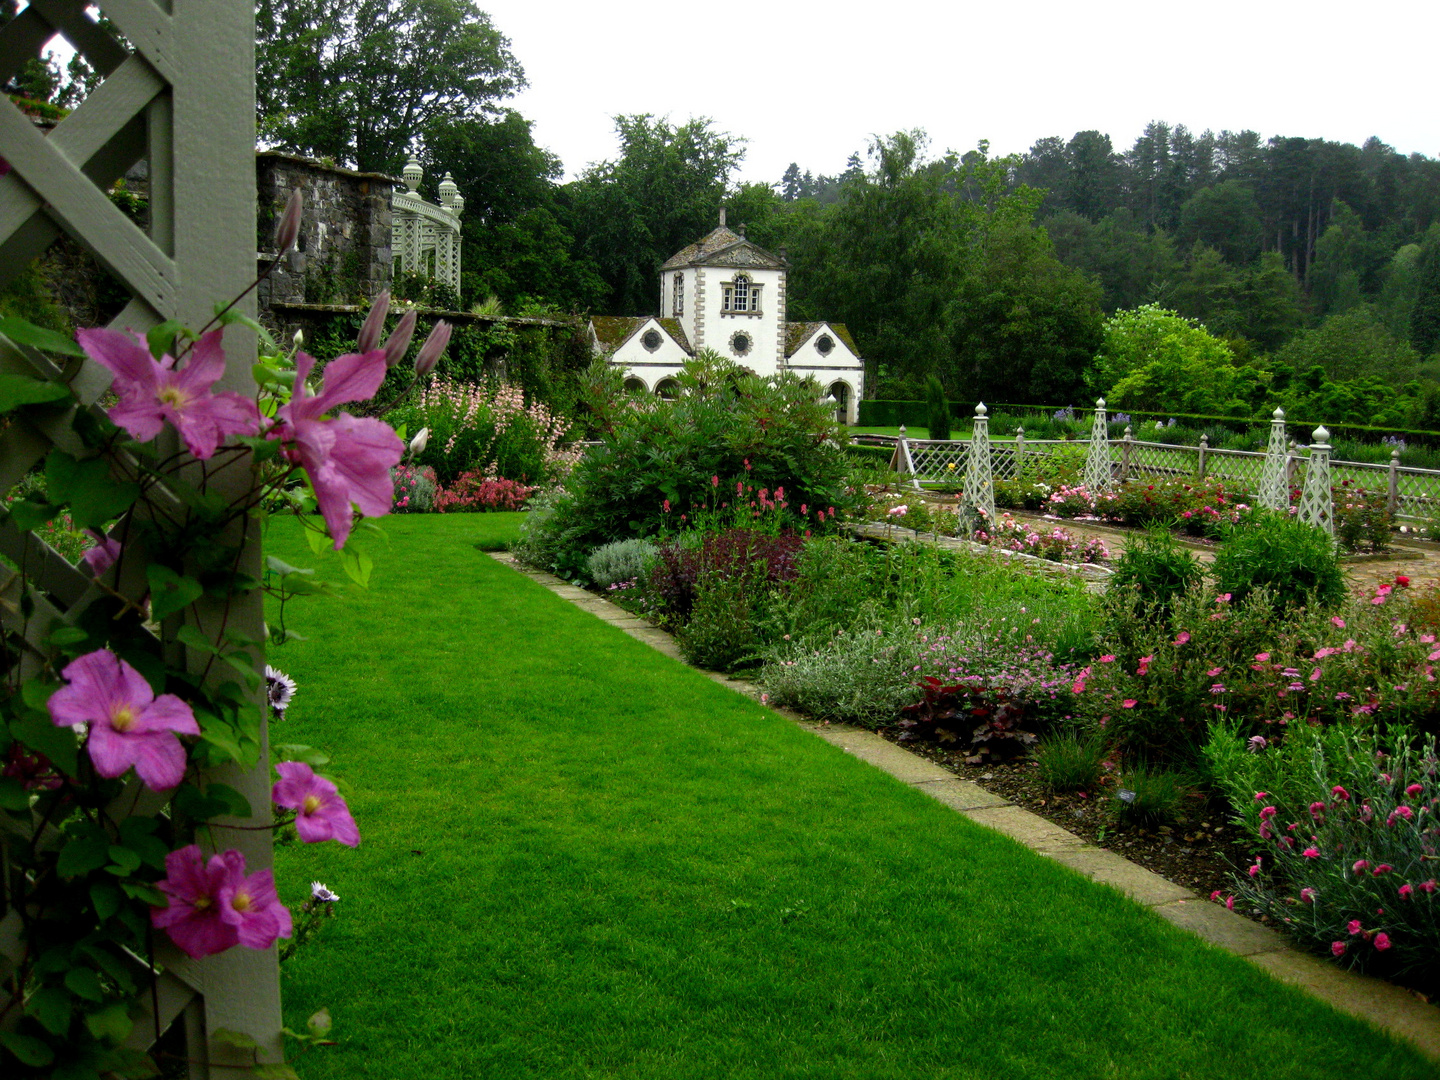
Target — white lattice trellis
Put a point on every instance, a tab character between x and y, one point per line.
1274	481
1098	474
979	474
427	237
176	91
1317	501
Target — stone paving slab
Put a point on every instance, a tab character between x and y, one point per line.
1030	829
1218	926
960	794
1146	886
1388	1007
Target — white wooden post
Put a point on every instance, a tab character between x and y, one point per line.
1204	448
1274	482
1126	448
1392	495
979	474
181	97
1317	504
1098	476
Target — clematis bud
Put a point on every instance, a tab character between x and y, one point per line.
369	338
399	341
289	228
433	347
421	440
298	340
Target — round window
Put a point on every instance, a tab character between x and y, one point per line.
651	340
825	345
740	343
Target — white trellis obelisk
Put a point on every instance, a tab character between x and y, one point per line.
979	488
1317	502
1274	483
1098	477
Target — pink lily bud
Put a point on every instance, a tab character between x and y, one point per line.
369	339
433	347
399	342
289	228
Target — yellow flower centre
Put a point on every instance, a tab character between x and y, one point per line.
123	718
241	902
310	805
173	395
202	903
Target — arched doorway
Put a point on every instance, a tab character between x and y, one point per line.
841	393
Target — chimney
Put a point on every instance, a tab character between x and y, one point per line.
741	227
722	217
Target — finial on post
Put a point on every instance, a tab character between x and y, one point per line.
412	174
980	410
1320	435
1278	414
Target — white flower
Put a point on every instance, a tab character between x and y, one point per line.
421	440
321	893
897	511
279	689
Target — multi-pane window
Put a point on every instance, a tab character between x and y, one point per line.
678	302
741	296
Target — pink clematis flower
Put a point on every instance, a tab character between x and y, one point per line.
129	725
152	392
347	459
320	812
214	905
103	555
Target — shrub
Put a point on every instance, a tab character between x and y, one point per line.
676	575
1362	519
773	432
1054	544
1295	562
1070	762
1347	824
858	676
475	493
720	633
1157	570
937	409
415	488
623	560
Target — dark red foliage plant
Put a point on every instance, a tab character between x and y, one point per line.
733	553
983	720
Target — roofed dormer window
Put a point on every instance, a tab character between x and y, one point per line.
678	301
740	296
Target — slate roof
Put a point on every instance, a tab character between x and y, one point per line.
722	247
798	333
612	331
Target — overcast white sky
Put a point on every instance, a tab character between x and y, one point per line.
810	83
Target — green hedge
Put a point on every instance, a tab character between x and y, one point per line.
873	457
909	413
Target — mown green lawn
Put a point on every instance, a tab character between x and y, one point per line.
582	859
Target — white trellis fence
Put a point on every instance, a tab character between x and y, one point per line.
1275	478
176	91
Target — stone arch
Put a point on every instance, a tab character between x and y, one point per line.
841	392
635	385
668	389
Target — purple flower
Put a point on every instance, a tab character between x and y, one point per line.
214	905
129	725
320	812
103	555
347	459
153	392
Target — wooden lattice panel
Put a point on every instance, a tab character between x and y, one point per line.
177	92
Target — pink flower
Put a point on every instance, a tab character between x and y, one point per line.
1414	790
714	481
666	505
347	459
1230	903
214	906
1182	637
1307	896
103	555
1354	927
129	725
1381	868
1337	948
1340	793
1128	703
152	392
1406	891
1402	811
1144	664
1337	621
1267	812
1382	941
1108	658
1213	672
1311	853
1427	886
1360	864
320	812
1254	870
1261	657
1256	743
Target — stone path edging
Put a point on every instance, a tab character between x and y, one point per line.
1382	1004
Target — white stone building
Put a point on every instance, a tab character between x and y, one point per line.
726	294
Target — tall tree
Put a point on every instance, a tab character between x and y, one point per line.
663	192
360	80
1425	317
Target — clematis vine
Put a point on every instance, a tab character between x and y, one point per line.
320	812
153	392
348	459
128	724
214	905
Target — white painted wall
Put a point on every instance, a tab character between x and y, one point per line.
644	364
840	365
716	330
